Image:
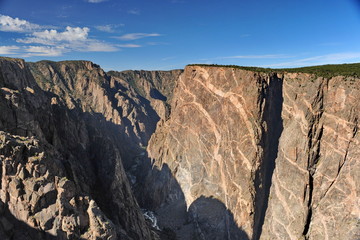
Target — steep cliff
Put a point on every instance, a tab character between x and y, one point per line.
278	150
155	86
236	153
63	150
315	185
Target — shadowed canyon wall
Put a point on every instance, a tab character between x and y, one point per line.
86	126
234	153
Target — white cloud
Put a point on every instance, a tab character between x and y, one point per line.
9	49
110	28
96	1
134	12
134	36
334	58
9	24
157	43
44	51
52	37
105	28
96	46
72	39
129	45
55	42
53	51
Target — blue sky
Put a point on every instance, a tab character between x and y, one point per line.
169	34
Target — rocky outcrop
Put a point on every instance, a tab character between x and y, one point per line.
77	186
277	149
35	190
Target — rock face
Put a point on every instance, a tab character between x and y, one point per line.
315	185
112	101
35	190
213	139
279	150
63	148
235	153
155	86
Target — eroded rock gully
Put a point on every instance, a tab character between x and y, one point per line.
234	154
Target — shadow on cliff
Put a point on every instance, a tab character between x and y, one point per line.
213	221
155	189
273	98
205	219
15	229
96	165
95	150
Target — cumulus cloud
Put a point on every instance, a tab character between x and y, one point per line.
52	37
72	39
55	42
9	24
9	49
134	36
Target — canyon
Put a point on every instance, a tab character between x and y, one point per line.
208	152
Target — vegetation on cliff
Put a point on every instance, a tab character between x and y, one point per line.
327	71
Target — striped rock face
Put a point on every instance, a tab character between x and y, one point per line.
278	150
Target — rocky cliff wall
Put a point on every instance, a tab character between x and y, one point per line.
236	153
315	185
155	86
279	150
64	137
